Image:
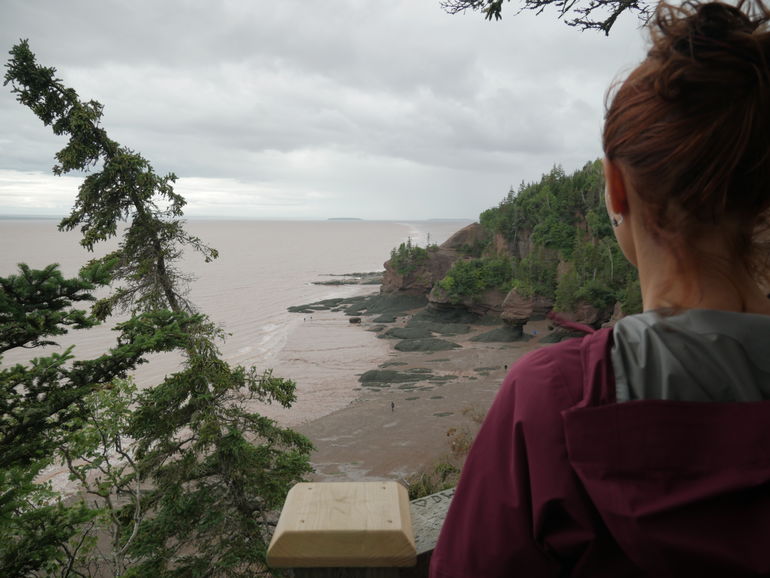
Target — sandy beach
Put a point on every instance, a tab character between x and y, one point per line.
381	430
396	430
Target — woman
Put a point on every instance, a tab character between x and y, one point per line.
645	450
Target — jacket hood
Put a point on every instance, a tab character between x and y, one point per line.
697	355
682	486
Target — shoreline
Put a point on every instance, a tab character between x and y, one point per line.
379	431
323	355
395	430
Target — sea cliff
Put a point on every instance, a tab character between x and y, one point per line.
547	246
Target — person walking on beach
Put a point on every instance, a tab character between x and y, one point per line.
644	450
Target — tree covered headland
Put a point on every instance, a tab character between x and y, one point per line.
408	256
177	479
559	245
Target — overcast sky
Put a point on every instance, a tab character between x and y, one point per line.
308	109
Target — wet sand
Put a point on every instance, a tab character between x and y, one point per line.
323	355
384	432
406	428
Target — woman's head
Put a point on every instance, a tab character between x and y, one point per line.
690	126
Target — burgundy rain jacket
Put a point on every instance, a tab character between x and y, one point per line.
564	481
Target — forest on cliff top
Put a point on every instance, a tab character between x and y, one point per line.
550	239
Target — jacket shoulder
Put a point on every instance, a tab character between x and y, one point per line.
562	374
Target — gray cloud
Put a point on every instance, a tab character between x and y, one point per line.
315	109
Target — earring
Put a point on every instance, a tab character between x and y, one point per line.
616	221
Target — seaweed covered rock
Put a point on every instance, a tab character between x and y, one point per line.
407	333
381	377
504	334
385	305
429	344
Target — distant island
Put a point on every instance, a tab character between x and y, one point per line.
344	219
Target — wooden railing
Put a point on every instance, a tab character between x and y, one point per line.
357	529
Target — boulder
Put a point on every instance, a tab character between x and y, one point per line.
519	310
516	309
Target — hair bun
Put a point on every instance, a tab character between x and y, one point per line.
716	21
713	43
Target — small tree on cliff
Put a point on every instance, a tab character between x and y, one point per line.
408	257
186	485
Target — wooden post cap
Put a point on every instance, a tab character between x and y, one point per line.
344	524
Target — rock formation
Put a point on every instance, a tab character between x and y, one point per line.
474	241
423	278
439	262
517	310
490	302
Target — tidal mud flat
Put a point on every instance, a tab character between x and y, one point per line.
440	372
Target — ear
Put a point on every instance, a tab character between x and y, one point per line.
616	191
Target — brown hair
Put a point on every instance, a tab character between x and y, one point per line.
691	124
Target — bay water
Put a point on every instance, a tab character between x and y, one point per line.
263	268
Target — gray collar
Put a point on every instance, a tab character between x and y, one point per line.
697	355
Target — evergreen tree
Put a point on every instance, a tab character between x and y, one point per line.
408	257
563	220
183	475
41	405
